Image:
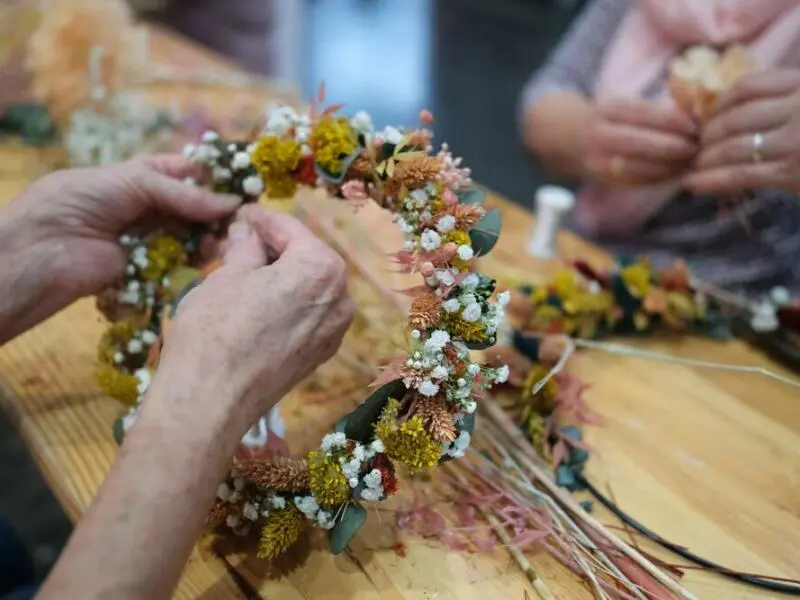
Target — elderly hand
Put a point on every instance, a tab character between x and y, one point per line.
252	330
752	140
636	142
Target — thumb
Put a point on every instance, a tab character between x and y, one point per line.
244	250
173	197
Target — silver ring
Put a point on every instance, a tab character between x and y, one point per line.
758	144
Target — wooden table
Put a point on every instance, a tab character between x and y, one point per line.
710	460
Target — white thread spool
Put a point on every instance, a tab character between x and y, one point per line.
553	203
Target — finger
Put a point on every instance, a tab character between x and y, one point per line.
280	232
642	143
628	171
768	84
741	150
647	114
732	180
244	249
172	197
173	165
761	115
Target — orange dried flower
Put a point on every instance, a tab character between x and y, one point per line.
219	513
467	215
413	173
425	312
276	472
436	418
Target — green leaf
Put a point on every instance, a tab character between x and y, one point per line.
341	425
353	517
485	234
487	343
473	195
179	279
359	425
337	177
118	431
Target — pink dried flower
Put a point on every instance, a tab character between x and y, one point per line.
451	173
356	193
448	197
425	117
427	269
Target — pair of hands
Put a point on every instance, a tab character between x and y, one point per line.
638	142
243	338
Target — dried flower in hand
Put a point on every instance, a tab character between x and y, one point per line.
281	529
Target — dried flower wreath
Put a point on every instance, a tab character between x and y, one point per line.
423	410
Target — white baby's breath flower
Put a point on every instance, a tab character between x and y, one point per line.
241	160
438	339
430	240
377	446
189	151
474	369
471	313
420	198
446	223
353	482
333	440
249	512
465	252
149	337
409	245
451	305
415	334
278	502
470	282
119	357
392	135
210	137
445	277
223	492
470	407
253	185
373	479
428	388
439	372
143	380
135	346
501	375
370	495
221	174
362	122
504	298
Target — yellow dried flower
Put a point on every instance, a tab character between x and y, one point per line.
164	253
116	383
327	482
539	294
544	401
118	334
274	157
458	237
332	139
637	279
460	329
413	446
387	423
281	529
281	187
536	427
565	284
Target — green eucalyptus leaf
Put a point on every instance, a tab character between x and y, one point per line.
473	195
483	345
118	430
353	517
359	424
337	177
485	234
341	425
526	345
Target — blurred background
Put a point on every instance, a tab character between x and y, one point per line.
465	60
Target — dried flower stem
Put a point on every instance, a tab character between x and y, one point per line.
524	564
533	463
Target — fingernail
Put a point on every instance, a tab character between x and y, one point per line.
238	231
227	200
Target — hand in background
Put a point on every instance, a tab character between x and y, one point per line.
636	142
253	330
765	104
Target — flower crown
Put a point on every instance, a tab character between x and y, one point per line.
423	409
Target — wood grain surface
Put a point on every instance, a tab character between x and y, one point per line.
710	460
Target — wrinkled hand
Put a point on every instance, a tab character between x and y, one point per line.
766	103
75	217
253	330
636	142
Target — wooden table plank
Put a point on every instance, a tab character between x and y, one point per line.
710	460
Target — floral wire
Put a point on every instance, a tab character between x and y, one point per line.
761	581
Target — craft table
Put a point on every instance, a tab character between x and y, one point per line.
709	459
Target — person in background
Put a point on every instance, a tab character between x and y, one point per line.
599	113
238	343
